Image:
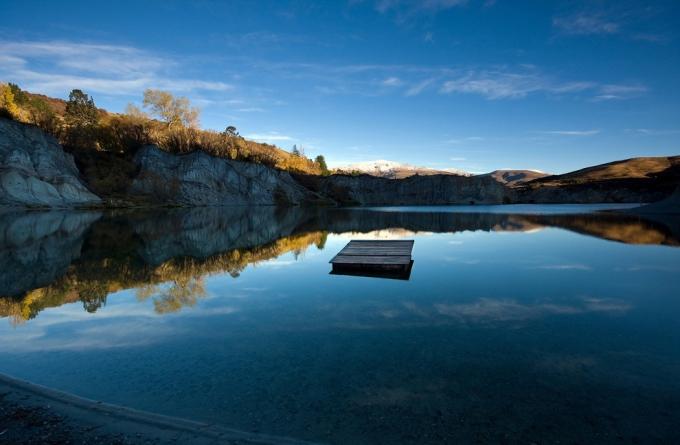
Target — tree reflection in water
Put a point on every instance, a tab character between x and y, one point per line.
65	257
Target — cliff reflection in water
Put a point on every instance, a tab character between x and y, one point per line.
52	258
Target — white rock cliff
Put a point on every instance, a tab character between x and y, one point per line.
35	170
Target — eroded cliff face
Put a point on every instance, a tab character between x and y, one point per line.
415	190
198	179
35	170
592	193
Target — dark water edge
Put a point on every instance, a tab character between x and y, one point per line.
537	327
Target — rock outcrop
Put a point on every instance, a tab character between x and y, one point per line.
199	179
35	170
415	190
669	206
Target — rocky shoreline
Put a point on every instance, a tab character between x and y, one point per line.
32	414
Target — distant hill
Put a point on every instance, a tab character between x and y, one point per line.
634	168
645	179
395	170
515	177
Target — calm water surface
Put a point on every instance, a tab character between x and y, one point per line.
538	326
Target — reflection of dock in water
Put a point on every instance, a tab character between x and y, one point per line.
380	259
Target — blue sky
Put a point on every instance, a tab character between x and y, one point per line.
477	84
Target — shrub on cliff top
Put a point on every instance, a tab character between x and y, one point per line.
78	124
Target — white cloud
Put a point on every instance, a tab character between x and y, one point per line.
392	82
108	59
565	267
651	132
465	139
416	6
619	92
251	110
493	83
504	84
419	87
586	24
269	138
54	67
8	61
622	19
572	132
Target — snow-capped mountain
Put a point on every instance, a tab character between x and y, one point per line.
396	170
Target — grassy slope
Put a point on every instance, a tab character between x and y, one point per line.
635	168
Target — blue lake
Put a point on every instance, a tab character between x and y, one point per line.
540	325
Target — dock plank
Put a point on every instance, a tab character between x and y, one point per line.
375	258
354	259
376	250
388	253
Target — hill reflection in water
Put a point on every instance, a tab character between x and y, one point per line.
52	258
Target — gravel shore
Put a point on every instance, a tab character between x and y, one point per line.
32	414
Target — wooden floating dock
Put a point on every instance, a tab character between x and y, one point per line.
375	258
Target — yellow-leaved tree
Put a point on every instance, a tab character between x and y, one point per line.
7	103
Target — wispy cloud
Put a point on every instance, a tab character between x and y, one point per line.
619	92
586	24
651	131
54	67
506	84
251	110
464	140
94	58
622	19
492	83
270	138
392	82
416	6
565	267
572	132
419	87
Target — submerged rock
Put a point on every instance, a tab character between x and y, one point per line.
35	170
197	179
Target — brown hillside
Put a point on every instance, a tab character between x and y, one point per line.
635	168
514	177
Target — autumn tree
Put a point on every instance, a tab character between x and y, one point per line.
134	112
82	118
231	131
20	96
174	111
81	110
7	102
41	114
321	162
